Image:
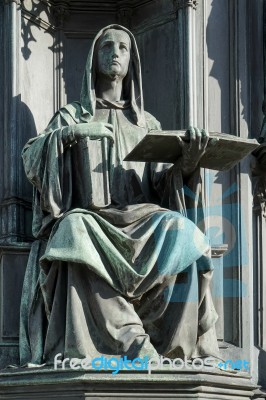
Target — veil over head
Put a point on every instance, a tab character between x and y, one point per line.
133	80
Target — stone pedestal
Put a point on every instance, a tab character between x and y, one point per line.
43	384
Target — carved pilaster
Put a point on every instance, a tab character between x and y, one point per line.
185	11
124	14
179	4
11	214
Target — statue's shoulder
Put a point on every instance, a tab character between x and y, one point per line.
71	112
65	116
151	122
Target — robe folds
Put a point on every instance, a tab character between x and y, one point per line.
139	260
119	266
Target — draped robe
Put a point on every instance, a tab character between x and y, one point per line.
124	276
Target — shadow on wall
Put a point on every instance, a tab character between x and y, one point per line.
223	116
29	15
224	53
27	130
16	190
28	127
70	53
31	12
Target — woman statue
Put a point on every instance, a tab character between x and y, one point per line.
117	267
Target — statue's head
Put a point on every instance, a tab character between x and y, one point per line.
112	53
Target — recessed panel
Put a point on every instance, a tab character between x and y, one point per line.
13	268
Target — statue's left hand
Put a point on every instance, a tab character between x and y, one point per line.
193	150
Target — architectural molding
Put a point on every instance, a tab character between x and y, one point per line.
22	247
26	384
99	6
60	12
141	3
219	250
18	2
154	23
16	200
15	222
80	35
146	26
10	137
180	4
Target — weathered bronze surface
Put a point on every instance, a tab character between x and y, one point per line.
222	153
119	266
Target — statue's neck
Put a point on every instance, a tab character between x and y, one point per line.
109	89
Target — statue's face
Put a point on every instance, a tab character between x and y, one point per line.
114	53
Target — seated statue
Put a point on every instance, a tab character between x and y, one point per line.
119	266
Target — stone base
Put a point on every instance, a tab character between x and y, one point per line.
43	384
260	394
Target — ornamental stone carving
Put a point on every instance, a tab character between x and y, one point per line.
179	4
60	13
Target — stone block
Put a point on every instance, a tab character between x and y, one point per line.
43	383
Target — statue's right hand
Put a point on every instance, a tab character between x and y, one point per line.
93	130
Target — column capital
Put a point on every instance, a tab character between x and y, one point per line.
179	4
60	13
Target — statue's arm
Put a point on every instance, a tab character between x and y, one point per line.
47	164
35	153
178	186
163	180
47	159
92	130
192	151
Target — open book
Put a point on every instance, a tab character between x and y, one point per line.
223	151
